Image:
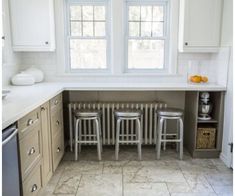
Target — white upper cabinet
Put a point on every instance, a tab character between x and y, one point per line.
32	25
200	25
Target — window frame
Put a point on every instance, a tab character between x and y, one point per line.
105	3
166	30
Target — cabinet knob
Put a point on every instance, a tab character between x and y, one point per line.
43	109
46	42
34	188
31	151
57	122
58	149
30	122
186	43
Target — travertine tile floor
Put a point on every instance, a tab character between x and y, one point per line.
130	177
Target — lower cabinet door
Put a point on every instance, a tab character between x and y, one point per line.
46	143
57	149
32	185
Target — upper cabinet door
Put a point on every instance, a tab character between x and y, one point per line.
200	25
32	25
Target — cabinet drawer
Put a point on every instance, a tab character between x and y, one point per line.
33	183
57	150
57	123
56	103
29	122
30	151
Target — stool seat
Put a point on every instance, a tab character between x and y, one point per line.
126	113
171	112
87	113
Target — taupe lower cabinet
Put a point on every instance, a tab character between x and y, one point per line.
41	143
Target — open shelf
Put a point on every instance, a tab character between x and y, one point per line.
207	121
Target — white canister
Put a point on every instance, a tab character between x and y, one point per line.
36	73
22	79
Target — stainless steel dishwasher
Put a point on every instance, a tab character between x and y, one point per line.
10	162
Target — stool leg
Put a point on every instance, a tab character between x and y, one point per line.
160	125
178	135
80	139
139	138
181	138
98	139
117	139
76	139
70	129
100	133
157	125
164	136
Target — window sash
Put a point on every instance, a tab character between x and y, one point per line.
71	37
165	36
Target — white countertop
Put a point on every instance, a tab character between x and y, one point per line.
24	99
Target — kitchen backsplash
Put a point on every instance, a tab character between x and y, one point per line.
209	62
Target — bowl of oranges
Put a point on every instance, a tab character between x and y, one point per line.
198	79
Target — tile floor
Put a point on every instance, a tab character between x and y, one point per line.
130	177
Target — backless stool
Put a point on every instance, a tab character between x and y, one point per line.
93	115
169	114
131	115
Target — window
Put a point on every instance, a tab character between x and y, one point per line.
146	36
88	36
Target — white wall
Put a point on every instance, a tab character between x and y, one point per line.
10	60
226	40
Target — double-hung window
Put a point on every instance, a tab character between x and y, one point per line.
88	38
147	35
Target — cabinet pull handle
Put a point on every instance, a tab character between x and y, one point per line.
186	43
57	122
34	188
31	151
43	109
30	122
56	102
58	149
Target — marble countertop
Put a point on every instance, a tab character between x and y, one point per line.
24	99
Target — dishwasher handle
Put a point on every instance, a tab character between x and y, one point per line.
13	134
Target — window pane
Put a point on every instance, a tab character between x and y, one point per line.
158	13
87	28
134	13
76	29
75	13
146	13
99	12
134	29
157	29
99	28
146	29
87	12
88	54
145	54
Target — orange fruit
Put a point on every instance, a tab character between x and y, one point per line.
195	79
204	79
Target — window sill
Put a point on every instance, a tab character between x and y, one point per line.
124	75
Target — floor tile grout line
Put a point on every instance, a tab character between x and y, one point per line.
79	184
58	181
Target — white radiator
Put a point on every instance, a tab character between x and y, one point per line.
108	122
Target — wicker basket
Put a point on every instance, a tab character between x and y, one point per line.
206	138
